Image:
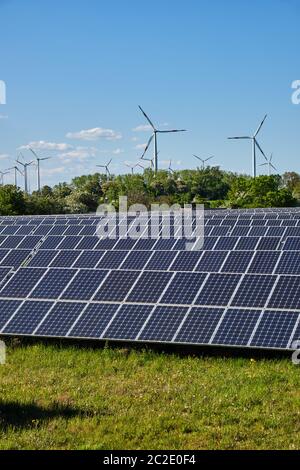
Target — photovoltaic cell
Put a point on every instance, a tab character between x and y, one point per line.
211	261
264	262
286	294
7	309
236	327
275	329
237	262
136	260
22	282
65	259
60	319
161	260
116	286
93	321
218	289
84	284
27	318
150	286
186	261
163	323
247	243
128	322
199	326
53	283
15	258
69	242
289	263
43	258
253	291
183	288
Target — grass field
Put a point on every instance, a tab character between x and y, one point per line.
55	397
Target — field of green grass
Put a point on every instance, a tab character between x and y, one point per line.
61	397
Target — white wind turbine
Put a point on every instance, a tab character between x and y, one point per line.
154	136
2	174
25	166
269	164
203	160
16	171
132	167
254	145
38	160
108	174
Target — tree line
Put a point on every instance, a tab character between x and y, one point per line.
210	186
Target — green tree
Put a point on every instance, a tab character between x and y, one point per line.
12	201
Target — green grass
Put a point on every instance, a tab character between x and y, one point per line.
55	397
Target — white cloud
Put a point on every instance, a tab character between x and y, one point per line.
94	134
4	156
52	171
42	145
142	128
140	146
134	139
117	151
3	116
78	153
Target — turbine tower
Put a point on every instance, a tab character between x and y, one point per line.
203	160
154	136
170	169
16	170
25	166
254	145
270	165
38	160
106	168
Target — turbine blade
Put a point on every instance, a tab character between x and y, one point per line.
148	145
148	119
263	164
260	126
45	158
32	151
209	158
243	137
259	147
172	130
198	158
271	164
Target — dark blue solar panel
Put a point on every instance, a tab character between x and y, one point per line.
161	260
257	231
292	243
73	230
58	230
289	263
87	243
28	317
125	244
211	261
43	258
88	259
10	230
128	322
3	253
292	232
25	230
144	244
165	244
12	241
268	243
163	323
88	230
117	285
84	285
112	259
150	286
69	242
264	262
253	291
183	288
186	260
136	260
65	259
240	231
236	327
53	283
199	326
29	242
247	243
237	262
226	243
51	242
42	230
286	294
60	319
7	309
220	231
15	258
22	282
106	244
218	289
275	329
93	321
275	231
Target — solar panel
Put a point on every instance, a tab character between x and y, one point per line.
241	288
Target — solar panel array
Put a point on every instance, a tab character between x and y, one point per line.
242	289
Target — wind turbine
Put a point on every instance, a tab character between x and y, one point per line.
25	166
16	170
154	136
270	165
170	169
203	160
254	145
106	168
2	173
38	160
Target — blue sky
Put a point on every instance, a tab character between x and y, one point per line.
213	67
